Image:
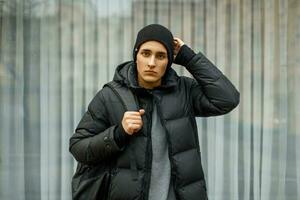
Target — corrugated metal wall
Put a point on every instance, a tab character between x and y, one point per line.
55	55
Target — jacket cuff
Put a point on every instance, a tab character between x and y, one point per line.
184	55
120	136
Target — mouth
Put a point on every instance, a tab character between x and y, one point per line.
150	72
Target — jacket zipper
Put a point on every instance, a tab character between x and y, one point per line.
148	155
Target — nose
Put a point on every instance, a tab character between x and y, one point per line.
151	62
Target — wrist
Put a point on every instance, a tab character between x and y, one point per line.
120	136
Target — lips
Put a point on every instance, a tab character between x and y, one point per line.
150	72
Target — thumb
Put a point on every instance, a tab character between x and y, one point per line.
142	111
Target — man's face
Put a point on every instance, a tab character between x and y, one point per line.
152	61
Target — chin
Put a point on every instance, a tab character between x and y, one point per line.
149	77
151	80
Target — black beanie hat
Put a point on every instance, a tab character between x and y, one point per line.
158	33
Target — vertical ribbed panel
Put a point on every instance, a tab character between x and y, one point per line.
55	55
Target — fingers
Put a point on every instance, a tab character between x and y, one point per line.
135	114
176	44
178	41
132	115
132	121
135	125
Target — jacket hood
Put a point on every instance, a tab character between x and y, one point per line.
126	73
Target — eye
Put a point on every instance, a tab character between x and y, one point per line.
161	56
145	53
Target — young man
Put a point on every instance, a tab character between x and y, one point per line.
153	152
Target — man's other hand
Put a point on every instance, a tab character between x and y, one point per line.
178	43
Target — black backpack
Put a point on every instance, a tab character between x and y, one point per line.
92	182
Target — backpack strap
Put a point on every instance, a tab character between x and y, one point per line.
125	96
127	99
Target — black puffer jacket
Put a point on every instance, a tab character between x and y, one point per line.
179	100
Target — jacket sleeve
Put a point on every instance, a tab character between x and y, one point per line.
93	140
211	92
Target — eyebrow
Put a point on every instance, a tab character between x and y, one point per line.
159	52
